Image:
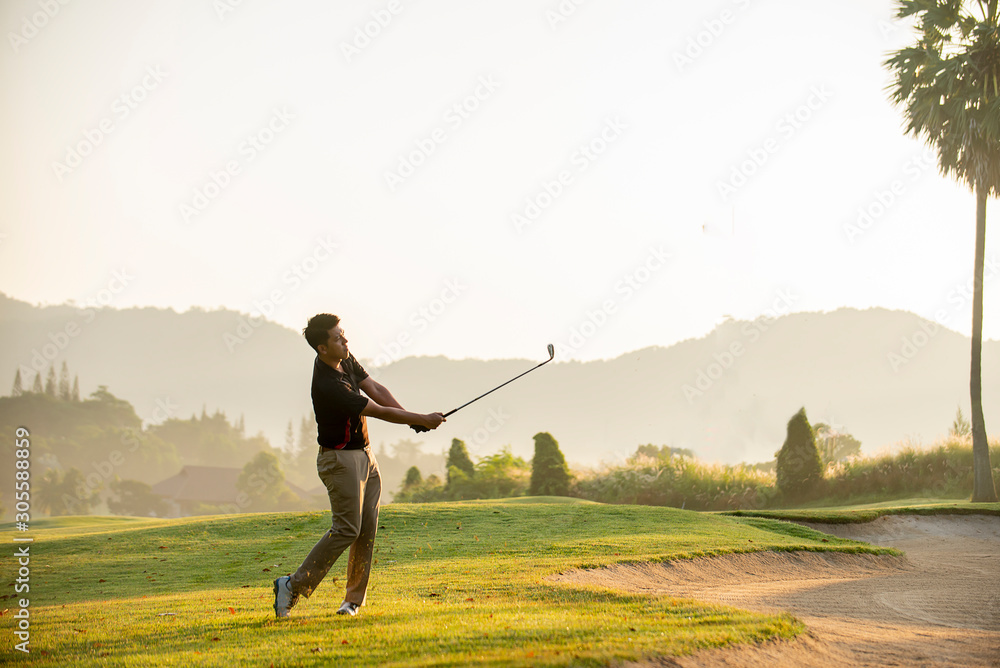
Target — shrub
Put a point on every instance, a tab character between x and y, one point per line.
413	477
800	469
428	490
133	497
494	477
502	475
549	472
263	482
66	493
458	458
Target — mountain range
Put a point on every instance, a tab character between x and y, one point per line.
883	376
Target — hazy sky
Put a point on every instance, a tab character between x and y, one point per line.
474	179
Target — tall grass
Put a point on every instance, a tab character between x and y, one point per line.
943	470
680	482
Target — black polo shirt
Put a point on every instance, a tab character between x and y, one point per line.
337	402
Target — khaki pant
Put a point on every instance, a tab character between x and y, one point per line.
353	482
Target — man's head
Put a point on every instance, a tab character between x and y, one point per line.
324	334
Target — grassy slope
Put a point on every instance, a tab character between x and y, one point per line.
453	584
872	511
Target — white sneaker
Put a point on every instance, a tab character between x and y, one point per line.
348	609
284	599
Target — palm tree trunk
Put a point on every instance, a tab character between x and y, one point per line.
983	489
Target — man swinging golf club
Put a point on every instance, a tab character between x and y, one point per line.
346	465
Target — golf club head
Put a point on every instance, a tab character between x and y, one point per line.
552	351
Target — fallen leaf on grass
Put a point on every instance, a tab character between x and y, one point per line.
163	547
244	586
102	580
215	639
343	642
232	611
267	570
314	650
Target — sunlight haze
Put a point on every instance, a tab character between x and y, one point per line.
476	179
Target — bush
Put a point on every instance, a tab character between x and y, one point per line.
502	475
136	498
66	493
263	482
496	476
458	458
549	472
800	469
413	477
428	490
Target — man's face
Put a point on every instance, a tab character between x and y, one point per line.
336	345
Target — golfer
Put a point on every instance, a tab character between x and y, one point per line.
346	465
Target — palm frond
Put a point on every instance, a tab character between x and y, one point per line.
948	86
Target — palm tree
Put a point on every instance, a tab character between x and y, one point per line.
948	86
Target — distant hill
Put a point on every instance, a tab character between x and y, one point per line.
882	375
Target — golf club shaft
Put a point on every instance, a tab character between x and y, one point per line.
420	429
454	410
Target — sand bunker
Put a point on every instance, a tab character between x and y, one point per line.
937	606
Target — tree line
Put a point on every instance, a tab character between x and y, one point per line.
94	454
60	388
500	475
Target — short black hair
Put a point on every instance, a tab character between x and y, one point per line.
318	328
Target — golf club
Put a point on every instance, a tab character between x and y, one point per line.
552	353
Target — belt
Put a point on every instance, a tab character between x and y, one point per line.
323	448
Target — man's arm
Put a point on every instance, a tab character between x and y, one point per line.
400	416
379	393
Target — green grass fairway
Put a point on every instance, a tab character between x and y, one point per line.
872	511
454	584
